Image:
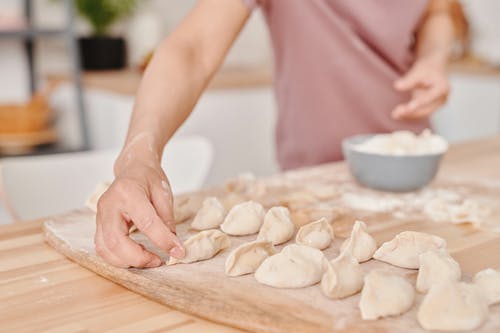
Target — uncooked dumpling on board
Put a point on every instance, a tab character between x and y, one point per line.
210	216
453	306
277	228
185	207
361	244
296	266
343	276
385	294
404	249
92	200
488	281
204	245
436	267
318	234
247	257
243	219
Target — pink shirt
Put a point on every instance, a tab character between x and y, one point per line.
335	65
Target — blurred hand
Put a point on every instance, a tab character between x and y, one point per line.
140	196
429	89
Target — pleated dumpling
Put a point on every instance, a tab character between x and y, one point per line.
318	234
436	267
343	276
92	200
202	246
404	249
247	257
243	219
361	244
488	281
385	294
277	228
453	306
185	207
296	266
210	216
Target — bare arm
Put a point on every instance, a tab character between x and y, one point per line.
427	79
179	71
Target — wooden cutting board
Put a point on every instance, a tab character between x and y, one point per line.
203	289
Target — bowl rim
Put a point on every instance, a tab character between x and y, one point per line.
348	144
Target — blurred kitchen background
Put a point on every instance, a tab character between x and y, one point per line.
61	125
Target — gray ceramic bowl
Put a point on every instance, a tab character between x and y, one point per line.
389	172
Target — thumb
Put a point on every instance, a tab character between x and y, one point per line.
408	81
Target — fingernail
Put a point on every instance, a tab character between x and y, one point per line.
154	263
177	252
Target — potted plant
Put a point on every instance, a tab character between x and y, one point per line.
100	50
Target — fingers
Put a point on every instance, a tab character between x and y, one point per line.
143	214
421	112
422	98
161	198
411	80
115	246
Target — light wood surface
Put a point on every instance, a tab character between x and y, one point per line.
41	290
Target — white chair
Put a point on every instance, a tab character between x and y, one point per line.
47	185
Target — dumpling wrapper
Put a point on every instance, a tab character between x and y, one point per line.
202	246
210	216
361	244
92	200
185	207
404	249
436	267
488	281
243	219
247	257
385	294
318	234
296	266
343	277
277	228
453	306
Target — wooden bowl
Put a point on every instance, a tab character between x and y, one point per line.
30	117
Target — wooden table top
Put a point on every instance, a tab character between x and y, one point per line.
43	291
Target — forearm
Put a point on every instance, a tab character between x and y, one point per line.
436	34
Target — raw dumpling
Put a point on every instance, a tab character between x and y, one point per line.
210	216
243	219
185	207
488	281
92	200
404	249
436	267
247	257
204	245
277	228
385	294
361	244
343	277
296	266
453	306
318	234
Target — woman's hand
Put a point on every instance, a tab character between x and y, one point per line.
429	89
140	195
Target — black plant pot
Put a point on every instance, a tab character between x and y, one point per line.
102	52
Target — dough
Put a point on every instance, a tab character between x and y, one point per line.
246	184
436	267
488	281
210	216
318	234
404	143
453	306
243	219
296	266
204	245
185	207
92	200
385	294
343	277
247	257
361	244
404	249
277	228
